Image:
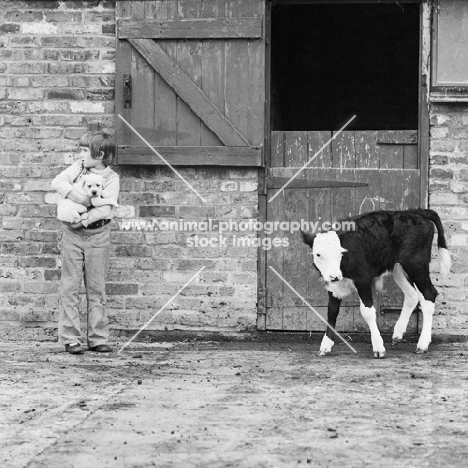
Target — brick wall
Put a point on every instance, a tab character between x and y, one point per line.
448	195
56	76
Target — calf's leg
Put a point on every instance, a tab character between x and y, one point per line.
427	294
427	299
368	313
329	338
409	304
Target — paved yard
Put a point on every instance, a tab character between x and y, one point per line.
233	404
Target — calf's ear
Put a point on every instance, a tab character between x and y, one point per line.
307	238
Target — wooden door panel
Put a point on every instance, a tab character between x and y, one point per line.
197	81
274	285
352	177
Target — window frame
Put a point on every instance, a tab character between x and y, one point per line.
443	91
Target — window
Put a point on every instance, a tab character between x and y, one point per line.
450	50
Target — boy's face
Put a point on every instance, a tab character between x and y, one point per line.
88	160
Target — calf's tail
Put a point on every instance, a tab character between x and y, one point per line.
445	259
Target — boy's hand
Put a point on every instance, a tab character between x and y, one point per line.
76	225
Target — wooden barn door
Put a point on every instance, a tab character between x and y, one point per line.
190	80
360	171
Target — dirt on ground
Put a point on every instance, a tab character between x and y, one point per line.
233	404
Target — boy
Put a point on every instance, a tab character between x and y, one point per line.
86	246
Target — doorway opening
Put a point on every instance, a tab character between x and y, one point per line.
328	61
332	61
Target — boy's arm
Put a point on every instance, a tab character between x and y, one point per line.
63	184
104	212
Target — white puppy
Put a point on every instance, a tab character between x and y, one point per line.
91	185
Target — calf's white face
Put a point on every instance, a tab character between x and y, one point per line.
327	252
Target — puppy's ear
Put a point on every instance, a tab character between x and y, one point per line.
307	238
83	181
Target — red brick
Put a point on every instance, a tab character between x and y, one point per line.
121	289
156	211
9	28
45	262
52	275
24	16
11	235
40	287
66	94
132	251
144	303
9	286
24	248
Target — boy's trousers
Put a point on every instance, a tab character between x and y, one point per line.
84	252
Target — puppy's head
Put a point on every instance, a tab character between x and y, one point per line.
92	183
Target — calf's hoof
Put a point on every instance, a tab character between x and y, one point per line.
324	352
379	354
421	350
396	340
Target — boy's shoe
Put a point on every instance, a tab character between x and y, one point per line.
100	348
74	348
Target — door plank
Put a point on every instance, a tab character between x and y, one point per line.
188	123
410	156
368	198
397	137
189	92
295	254
191	155
318	211
315	141
212	63
142	100
143	87
295	150
295	318
277	149
343	150
401	189
391	156
165	117
274	285
367	150
314	324
189	59
193	28
236	92
274	318
255	89
214	9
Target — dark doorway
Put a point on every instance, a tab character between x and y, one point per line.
331	61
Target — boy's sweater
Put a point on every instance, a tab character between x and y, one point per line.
63	184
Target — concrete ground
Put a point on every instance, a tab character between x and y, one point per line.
233	404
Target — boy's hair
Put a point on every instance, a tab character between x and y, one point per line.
97	142
85	140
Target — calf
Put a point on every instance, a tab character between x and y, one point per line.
395	242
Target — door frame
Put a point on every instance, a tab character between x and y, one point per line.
425	16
